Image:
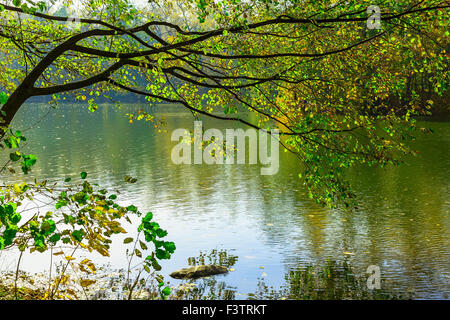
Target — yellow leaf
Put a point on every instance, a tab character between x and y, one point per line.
83	245
69	258
101	209
82	268
86	283
64	279
17	189
91	266
71	292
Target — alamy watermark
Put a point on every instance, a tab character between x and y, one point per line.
374	279
74	12
213	147
374	21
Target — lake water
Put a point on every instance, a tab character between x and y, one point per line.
402	226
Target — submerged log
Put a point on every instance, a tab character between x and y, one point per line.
198	272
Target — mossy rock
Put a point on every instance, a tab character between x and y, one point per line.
198	272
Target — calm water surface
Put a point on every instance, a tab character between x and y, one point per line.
403	223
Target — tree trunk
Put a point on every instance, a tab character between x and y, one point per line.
10	108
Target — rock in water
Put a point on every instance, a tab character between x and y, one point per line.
198	272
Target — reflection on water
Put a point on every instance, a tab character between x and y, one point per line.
209	288
331	281
402	226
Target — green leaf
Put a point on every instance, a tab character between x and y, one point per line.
156	265
162	254
16	218
166	291
78	235
161	233
148	217
128	240
12	142
28	161
61	203
169	246
92	105
143	245
55	238
48	227
42	6
15	156
83	175
132	209
130	179
3	98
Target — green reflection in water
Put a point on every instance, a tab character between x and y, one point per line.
403	223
